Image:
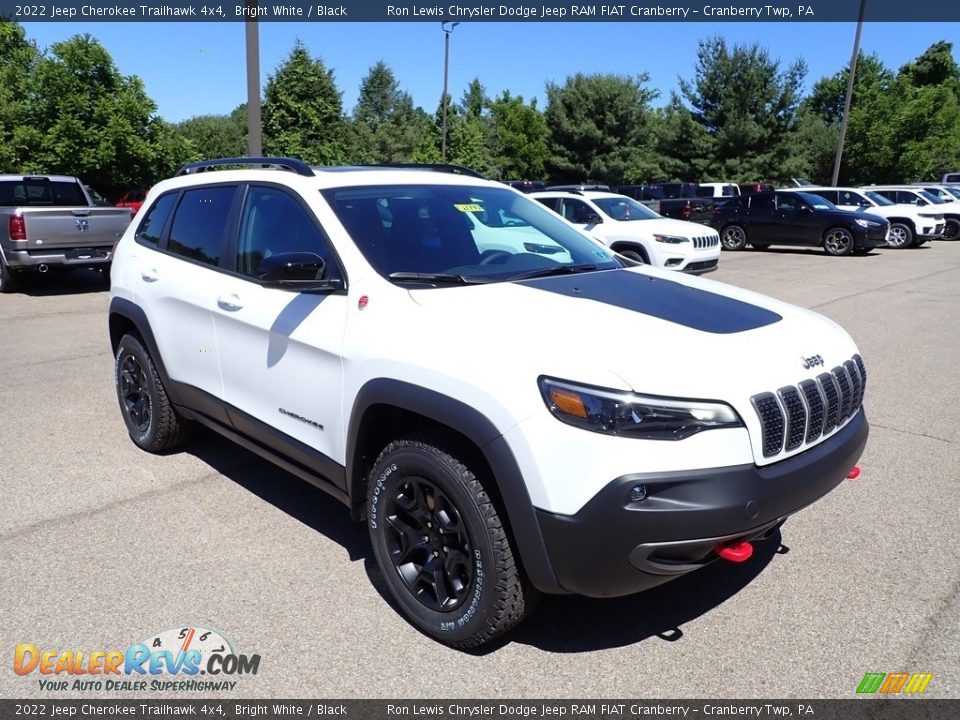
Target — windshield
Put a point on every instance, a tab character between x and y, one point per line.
460	233
955	191
878	198
930	197
624	208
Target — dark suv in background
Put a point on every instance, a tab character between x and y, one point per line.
796	218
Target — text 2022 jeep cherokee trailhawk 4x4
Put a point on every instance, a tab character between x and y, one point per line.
511	407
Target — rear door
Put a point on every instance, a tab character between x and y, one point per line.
184	238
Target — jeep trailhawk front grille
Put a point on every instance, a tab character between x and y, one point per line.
705	241
796	415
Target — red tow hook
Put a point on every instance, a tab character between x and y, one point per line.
735	552
854	473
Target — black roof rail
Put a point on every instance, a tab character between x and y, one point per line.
436	167
281	163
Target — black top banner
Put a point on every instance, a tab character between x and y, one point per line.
709	11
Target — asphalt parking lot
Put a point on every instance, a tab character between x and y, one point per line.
102	545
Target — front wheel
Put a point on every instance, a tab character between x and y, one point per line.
951	230
633	255
442	547
733	237
838	241
901	235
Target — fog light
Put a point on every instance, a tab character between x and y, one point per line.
673	262
638	493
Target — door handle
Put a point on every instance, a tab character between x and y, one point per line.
229	302
150	275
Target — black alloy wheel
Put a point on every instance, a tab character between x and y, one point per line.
428	544
131	386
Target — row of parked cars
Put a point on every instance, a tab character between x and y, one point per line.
686	224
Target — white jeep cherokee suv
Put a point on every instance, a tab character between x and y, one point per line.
637	232
508	405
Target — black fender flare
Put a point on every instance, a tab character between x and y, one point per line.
477	428
121	307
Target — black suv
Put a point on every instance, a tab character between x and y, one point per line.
796	218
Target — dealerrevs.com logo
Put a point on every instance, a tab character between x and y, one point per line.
185	659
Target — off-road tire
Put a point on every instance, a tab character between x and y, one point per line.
490	592
161	427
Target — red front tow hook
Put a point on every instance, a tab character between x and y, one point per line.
854	473
735	552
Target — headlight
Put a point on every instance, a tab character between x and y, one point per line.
866	223
630	415
672	239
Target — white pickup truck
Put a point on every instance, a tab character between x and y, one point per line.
50	220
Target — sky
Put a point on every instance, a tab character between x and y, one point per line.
199	68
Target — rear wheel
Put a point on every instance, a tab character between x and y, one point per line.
442	546
733	237
150	417
838	241
901	235
8	279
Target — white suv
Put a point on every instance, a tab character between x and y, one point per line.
637	232
530	417
910	226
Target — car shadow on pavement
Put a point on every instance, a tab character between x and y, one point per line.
811	251
288	493
560	624
570	623
59	282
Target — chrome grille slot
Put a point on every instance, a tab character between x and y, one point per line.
771	419
854	375
846	393
832	395
815	408
812	409
796	416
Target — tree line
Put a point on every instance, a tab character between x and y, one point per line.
741	117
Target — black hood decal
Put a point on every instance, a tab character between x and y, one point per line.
664	299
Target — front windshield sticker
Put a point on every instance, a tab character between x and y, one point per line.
469	207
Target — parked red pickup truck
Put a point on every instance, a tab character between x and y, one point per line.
133	199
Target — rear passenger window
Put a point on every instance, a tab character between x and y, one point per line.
200	222
152	226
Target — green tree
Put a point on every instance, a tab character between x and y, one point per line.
747	106
385	127
215	136
89	120
597	125
303	111
519	145
18	58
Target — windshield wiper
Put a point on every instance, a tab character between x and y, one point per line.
557	270
446	278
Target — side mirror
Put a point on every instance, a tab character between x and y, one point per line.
806	209
592	219
298	271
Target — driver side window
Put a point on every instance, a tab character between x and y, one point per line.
577	211
273	222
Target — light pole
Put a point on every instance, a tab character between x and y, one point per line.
446	67
254	141
846	102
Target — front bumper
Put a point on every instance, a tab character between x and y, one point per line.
869	238
614	547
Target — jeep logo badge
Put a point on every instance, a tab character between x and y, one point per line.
83	224
812	361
